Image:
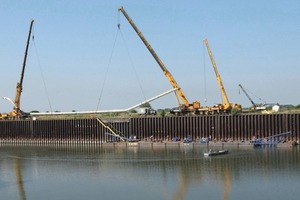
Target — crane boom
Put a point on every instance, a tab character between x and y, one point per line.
227	104
225	107
17	113
186	105
247	95
19	87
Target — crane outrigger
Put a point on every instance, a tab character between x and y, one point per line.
17	112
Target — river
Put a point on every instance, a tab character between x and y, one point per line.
160	172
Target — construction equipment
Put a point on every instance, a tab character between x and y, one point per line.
265	108
225	107
184	106
252	102
271	140
17	113
255	106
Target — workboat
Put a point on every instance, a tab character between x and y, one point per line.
216	152
270	140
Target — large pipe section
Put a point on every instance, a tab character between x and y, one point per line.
108	111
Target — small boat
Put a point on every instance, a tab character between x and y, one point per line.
216	152
133	143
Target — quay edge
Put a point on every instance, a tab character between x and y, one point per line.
88	131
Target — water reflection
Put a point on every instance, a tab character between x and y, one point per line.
226	183
152	172
19	178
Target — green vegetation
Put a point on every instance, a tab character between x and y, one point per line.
289	109
234	111
284	109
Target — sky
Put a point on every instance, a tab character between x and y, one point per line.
80	60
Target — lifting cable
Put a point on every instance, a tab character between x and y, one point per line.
41	70
255	95
132	64
106	73
110	59
204	74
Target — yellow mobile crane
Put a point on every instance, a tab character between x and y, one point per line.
17	112
184	106
225	107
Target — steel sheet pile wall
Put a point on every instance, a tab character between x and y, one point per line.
236	128
166	128
245	127
221	127
57	131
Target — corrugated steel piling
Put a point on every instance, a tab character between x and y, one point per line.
91	132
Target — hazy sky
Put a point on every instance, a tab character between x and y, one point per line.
79	55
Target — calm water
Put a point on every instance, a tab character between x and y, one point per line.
148	173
